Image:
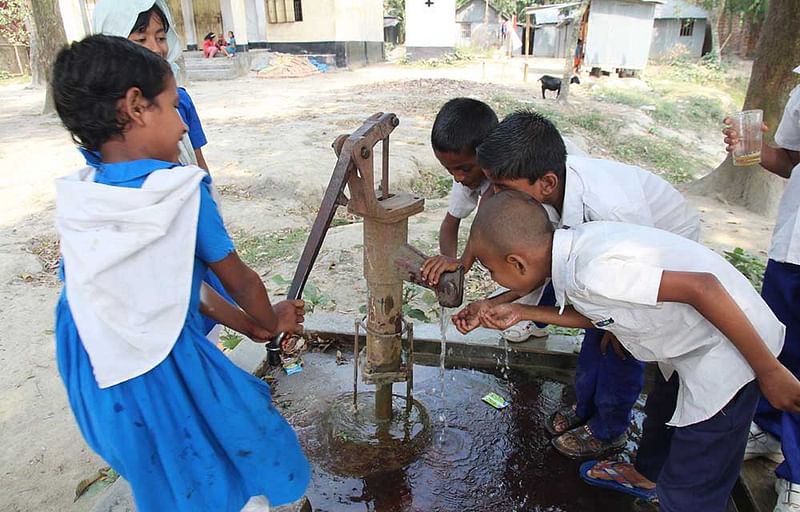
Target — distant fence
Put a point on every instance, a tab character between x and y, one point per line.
14	59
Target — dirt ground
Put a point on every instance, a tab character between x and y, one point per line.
270	155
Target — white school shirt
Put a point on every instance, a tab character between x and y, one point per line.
597	189
464	200
611	272
786	237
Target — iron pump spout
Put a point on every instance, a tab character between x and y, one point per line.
388	259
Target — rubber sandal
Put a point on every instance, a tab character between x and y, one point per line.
587	444
618	482
569	415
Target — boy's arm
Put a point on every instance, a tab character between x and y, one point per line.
213	305
503	316
705	293
446	261
779	161
448	235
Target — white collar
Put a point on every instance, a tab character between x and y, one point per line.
562	248
572	208
128	259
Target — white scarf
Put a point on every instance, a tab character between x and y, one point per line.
128	261
117	17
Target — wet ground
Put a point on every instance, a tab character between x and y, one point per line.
486	460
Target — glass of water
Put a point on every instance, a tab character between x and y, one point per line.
748	125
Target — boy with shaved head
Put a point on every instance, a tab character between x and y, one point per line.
668	300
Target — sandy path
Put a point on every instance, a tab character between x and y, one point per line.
270	153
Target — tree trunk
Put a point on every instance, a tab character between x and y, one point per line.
771	80
573	34
50	39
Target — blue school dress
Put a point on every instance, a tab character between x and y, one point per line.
190	118
198	139
195	433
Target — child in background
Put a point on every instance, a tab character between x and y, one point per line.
172	414
668	300
149	23
526	153
776	434
231	44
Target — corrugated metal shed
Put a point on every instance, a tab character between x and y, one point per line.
619	34
679	9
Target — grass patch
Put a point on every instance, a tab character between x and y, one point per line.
750	265
431	184
672	107
256	250
657	153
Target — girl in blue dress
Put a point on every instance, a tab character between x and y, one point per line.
149	23
188	429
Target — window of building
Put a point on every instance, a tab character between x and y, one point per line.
687	27
284	11
298	10
466	30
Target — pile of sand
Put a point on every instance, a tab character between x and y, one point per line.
282	65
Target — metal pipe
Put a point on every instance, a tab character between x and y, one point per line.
383	402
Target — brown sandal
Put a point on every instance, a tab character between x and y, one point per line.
570	417
581	443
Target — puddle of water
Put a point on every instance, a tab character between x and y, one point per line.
490	460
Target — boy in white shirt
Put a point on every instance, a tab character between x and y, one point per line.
774	431
668	300
460	125
525	153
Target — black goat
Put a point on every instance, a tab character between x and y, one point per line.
551	83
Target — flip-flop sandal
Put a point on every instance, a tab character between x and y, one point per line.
587	444
618	483
570	418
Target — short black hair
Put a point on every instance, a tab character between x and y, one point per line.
89	78
525	145
462	124
144	19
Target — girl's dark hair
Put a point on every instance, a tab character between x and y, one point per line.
210	35
89	78
144	19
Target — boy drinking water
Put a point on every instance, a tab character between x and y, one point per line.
668	300
460	126
776	434
526	153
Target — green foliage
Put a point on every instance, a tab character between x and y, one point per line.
418	303
313	295
12	21
256	250
564	331
748	264
230	339
426	309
